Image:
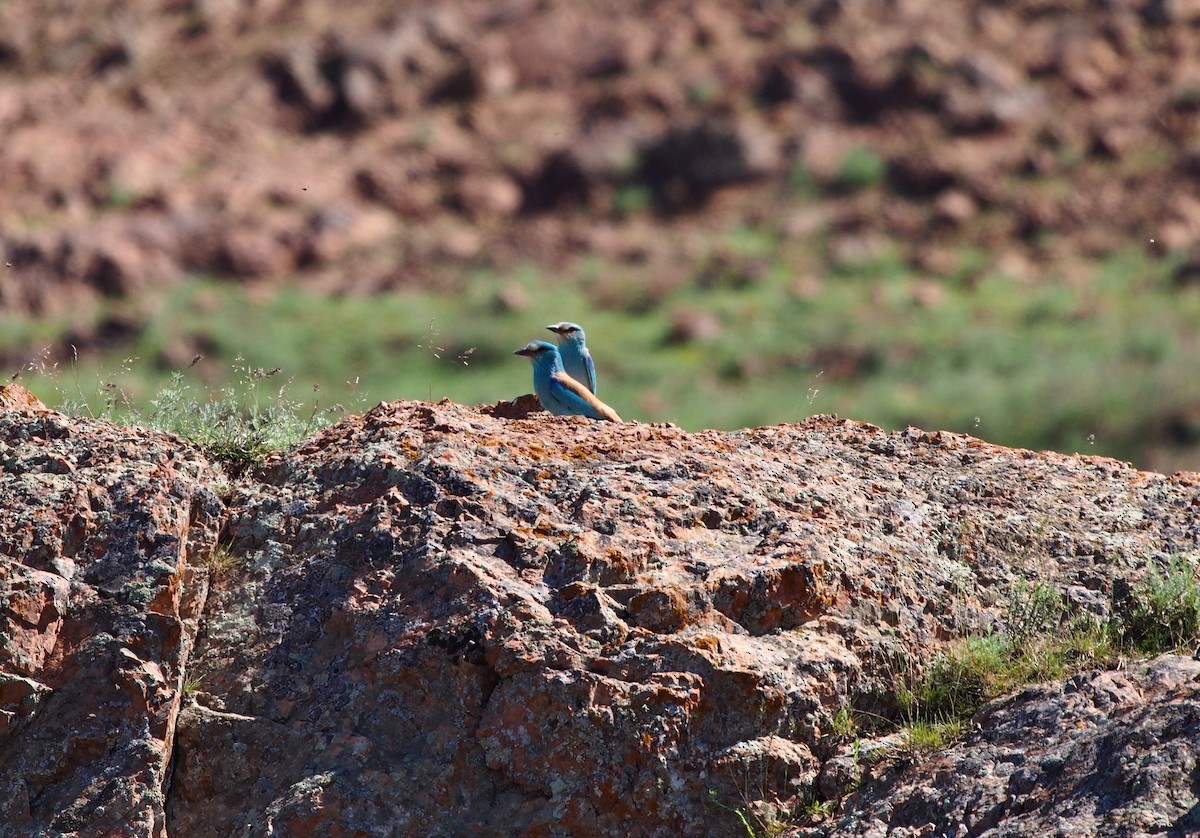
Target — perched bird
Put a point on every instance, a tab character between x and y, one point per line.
576	359
558	392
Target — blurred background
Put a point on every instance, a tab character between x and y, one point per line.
976	216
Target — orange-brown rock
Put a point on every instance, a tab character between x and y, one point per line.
437	620
102	535
15	397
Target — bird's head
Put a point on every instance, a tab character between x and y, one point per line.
570	331
537	349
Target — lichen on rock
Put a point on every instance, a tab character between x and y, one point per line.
435	620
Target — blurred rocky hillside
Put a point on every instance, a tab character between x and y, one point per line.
372	145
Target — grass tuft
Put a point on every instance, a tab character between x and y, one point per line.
191	684
861	168
926	738
238	427
1041	642
222	561
1165	612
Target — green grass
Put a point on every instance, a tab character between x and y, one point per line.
631	199
740	814
861	168
1165	613
1040	642
191	684
1100	369
925	738
238	426
844	725
767	821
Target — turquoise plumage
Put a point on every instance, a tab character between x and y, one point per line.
558	392
576	360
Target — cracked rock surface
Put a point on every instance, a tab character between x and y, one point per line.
435	620
99	609
1102	753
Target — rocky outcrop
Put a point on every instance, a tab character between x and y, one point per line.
101	593
1103	754
432	620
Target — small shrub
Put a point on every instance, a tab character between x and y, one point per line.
1165	614
844	726
814	808
861	168
631	199
1032	609
237	428
927	737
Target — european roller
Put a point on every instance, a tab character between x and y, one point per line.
558	392
576	359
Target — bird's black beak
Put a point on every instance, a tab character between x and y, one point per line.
523	351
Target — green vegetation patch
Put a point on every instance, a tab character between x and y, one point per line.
759	329
1041	642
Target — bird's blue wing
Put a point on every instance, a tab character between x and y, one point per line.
591	371
567	398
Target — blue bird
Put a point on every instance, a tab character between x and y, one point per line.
558	392
576	359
